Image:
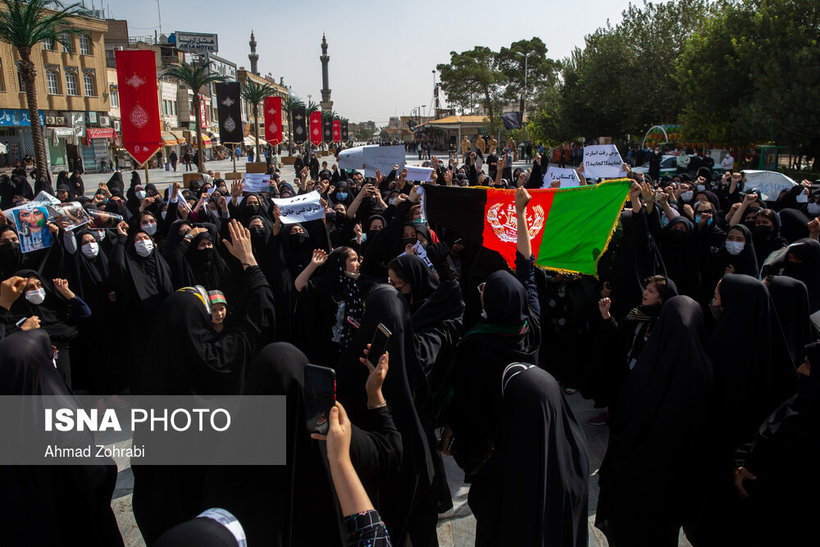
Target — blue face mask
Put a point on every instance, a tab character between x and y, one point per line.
341	196
708	223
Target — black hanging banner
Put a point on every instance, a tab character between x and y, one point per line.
344	130
299	125
229	112
327	129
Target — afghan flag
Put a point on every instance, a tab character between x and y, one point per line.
570	228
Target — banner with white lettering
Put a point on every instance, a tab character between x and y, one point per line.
568	177
300	208
603	161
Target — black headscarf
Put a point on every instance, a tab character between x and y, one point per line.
206	267
56	504
680	256
753	368
808	270
746	262
53	311
657	424
415	272
533	490
201	531
11	256
344	290
791	302
297	248
150	275
794	225
173	237
115	184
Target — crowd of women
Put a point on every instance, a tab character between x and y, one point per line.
696	336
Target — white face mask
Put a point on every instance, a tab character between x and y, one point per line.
391	201
149	229
91	249
163	214
701	187
687	195
140	194
36	296
734	247
352	275
802	198
144	247
99	234
813	209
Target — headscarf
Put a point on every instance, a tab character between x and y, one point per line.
211	528
745	262
540	462
680	256
791	302
150	275
296	248
346	294
115	184
51	311
794	225
11	257
808	270
415	272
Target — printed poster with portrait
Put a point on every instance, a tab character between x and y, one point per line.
31	222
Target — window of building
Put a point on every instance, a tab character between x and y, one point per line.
52	82
48	43
173	108
66	38
115	96
85	44
2	77
89	85
71	83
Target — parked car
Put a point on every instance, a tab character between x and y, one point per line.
669	166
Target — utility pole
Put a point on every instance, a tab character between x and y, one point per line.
524	96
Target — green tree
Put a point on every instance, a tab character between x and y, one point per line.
541	71
196	77
473	72
23	25
254	93
291	103
311	107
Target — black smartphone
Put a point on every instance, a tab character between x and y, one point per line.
378	345
320	396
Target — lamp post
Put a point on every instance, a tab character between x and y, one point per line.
524	96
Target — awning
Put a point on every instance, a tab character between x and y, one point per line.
169	139
101	133
180	136
250	141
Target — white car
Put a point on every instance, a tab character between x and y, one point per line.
669	166
768	183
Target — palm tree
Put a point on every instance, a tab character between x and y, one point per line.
291	103
310	108
196	77
255	93
24	24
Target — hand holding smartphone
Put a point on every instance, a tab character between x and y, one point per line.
320	397
378	346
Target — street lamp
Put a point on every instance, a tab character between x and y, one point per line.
524	95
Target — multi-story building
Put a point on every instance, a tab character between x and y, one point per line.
279	90
72	95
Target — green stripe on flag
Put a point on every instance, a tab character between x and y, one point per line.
579	226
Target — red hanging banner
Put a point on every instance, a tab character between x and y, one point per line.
337	131
273	120
316	128
137	85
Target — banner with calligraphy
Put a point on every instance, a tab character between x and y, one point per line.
137	85
316	128
327	129
337	131
344	130
299	127
273	120
229	112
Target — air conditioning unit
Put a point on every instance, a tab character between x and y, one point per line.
116	125
105	121
59	120
91	117
50	120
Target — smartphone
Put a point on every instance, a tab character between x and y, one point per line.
320	396
378	346
21	321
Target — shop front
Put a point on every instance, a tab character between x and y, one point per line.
15	134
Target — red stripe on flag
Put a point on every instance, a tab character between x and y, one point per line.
273	120
137	85
500	227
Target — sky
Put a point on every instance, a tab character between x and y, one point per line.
382	53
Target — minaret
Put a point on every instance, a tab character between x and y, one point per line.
326	104
253	55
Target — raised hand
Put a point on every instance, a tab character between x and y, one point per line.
603	306
319	257
61	286
240	244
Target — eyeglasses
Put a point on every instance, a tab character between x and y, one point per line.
481	287
393	284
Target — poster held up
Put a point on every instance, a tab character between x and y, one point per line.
256	182
603	161
301	208
568	177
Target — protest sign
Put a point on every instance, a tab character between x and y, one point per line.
352	158
418	174
256	182
420	252
603	161
300	208
103	220
71	212
382	158
46	197
568	177
30	220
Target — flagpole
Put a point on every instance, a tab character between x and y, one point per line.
145	166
